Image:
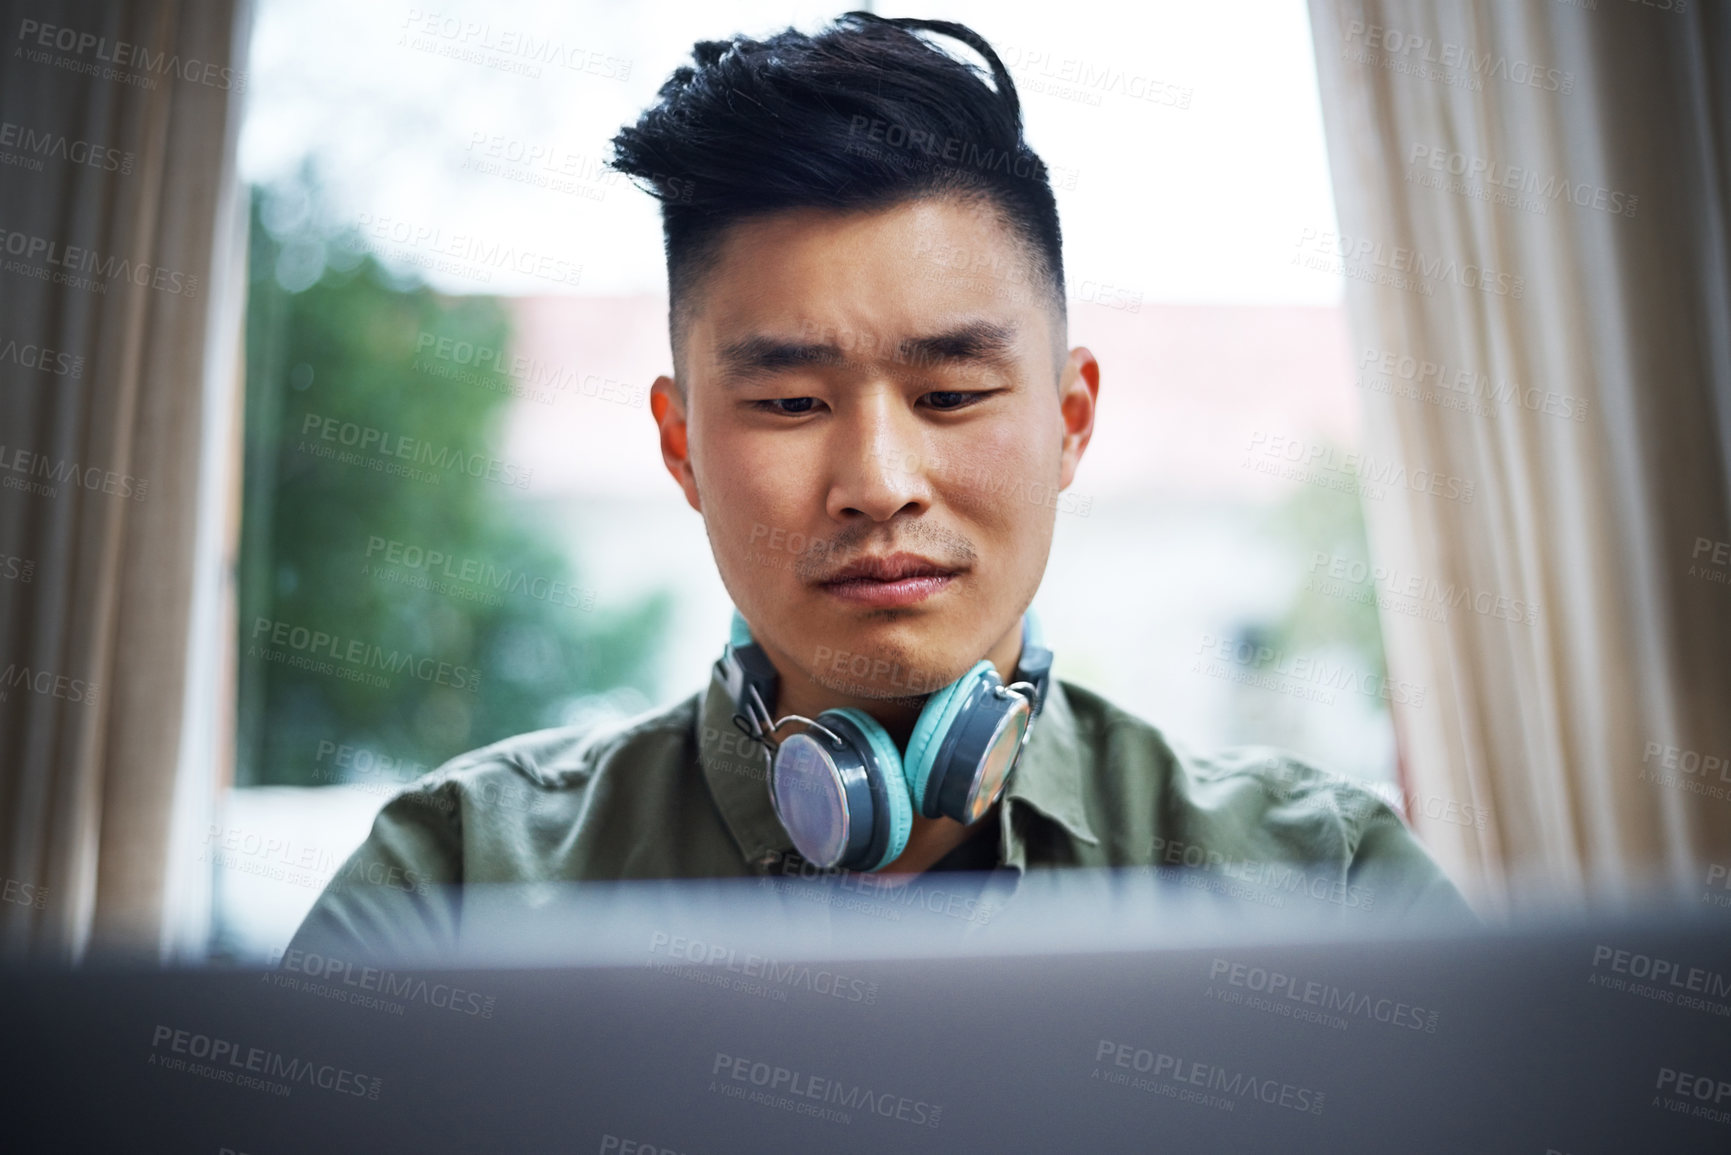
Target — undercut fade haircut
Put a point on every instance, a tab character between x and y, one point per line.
864	115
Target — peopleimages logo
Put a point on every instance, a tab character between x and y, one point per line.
227	1061
982	477
879	895
42	359
39	37
1682	768
47	683
1718	875
1660	980
1471	384
1701	1096
1180	1078
376	448
57	146
805	1094
1270	668
1328	570
30	248
227	841
1491	172
388	983
446	34
359	655
1075	78
1392	43
1300	994
1714	568
54	470
541	381
795	976
878	670
1274	879
442	569
22	893
1319	463
950	150
1359	255
428	246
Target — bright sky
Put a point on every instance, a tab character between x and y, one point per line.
1202	204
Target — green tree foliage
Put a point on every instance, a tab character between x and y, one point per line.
331	343
1315	520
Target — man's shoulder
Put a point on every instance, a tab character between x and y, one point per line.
500	813
1267	817
1255	798
1283	785
560	759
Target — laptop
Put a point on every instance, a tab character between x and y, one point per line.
1096	1011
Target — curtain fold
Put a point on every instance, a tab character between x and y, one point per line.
117	209
1532	203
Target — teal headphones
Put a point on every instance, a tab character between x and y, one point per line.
841	789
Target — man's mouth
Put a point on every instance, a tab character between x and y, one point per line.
897	579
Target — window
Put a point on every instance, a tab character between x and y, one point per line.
456	524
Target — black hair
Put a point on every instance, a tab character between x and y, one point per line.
865	114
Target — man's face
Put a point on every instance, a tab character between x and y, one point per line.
875	431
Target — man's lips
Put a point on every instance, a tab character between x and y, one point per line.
898	579
890	568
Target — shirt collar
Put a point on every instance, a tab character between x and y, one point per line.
737	770
1047	780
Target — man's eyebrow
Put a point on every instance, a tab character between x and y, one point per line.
768	354
980	342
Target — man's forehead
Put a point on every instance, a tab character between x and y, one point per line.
928	251
908	229
939	277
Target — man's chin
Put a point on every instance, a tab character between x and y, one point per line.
881	677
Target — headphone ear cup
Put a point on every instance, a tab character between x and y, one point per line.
884	773
935	721
738	632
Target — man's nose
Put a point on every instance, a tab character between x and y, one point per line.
878	462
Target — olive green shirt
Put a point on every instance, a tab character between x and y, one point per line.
681	793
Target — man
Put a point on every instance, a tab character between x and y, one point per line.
873	408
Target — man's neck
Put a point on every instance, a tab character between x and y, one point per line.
798	693
928	842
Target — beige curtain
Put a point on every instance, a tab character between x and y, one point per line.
1578	159
120	238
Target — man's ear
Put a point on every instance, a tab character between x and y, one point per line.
667	406
1078	390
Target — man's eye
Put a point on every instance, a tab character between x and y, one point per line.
790	406
952	398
